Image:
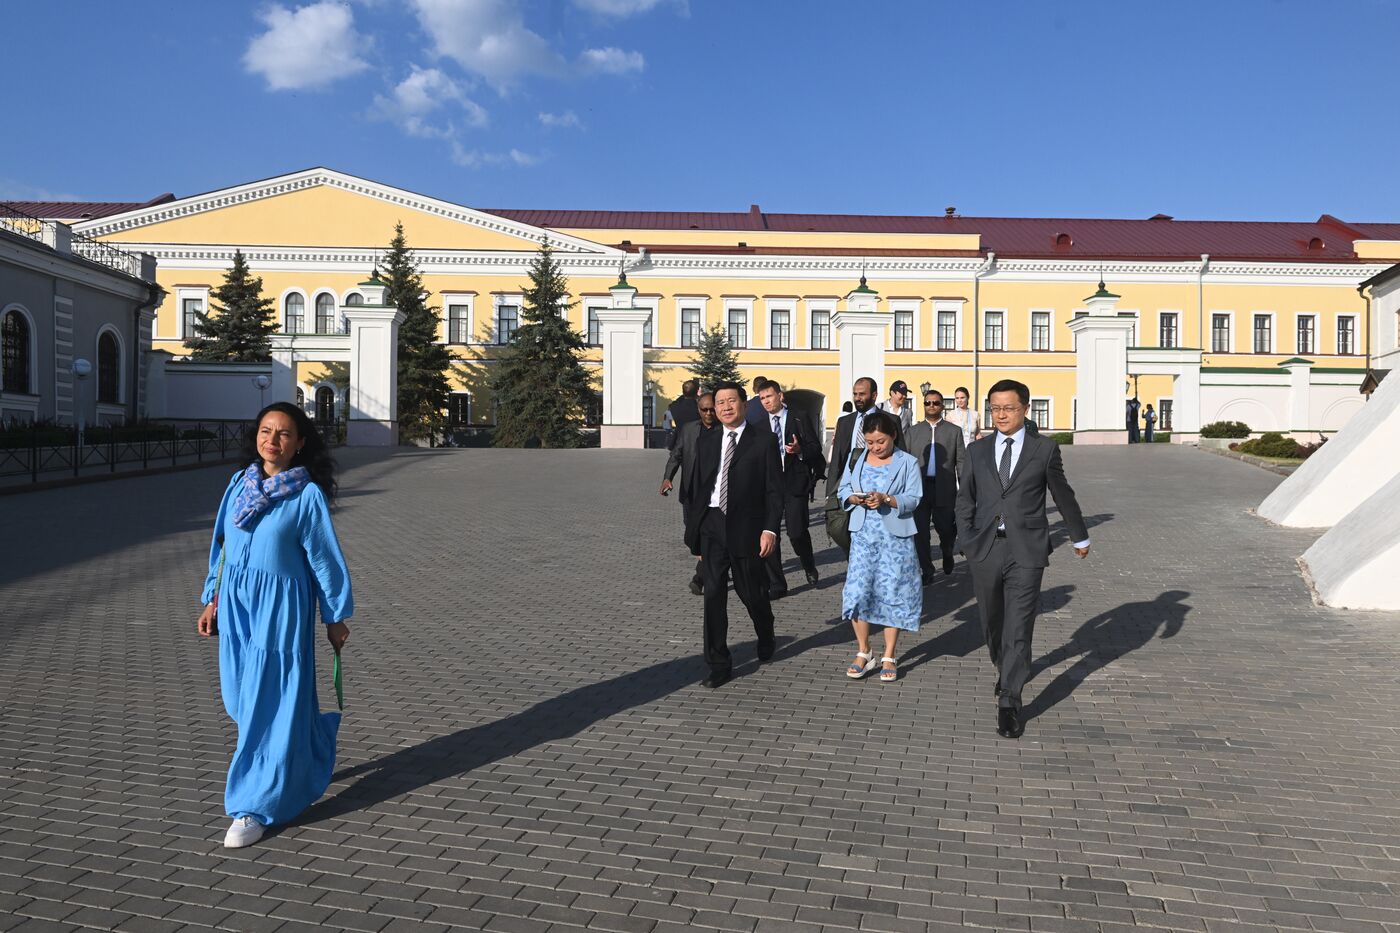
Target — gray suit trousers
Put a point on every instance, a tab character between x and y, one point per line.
1008	596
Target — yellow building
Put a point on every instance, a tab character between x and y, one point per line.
973	299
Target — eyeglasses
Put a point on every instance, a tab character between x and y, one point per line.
932	401
1005	409
704	410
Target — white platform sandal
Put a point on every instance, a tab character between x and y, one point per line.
856	671
889	675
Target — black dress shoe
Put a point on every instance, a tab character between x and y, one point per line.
1009	722
812	577
697	587
777	592
996	691
927	577
765	653
718	678
947	565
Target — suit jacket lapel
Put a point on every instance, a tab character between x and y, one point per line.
1030	444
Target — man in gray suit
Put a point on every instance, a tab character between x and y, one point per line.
1006	537
939	446
687	440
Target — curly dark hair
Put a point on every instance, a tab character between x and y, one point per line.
314	454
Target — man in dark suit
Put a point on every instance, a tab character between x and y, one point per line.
736	503
1004	533
685	409
848	435
798	447
682	457
939	446
754	413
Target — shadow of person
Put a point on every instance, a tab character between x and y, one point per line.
1059	534
1104	639
559	717
965	636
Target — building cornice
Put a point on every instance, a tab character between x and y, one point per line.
43	259
316	177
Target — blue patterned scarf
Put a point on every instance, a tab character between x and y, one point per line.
258	494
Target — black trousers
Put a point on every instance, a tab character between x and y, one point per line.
1008	596
795	516
716	563
699	577
942	519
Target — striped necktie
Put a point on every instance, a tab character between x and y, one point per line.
724	471
858	441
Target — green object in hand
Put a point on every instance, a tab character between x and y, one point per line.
339	684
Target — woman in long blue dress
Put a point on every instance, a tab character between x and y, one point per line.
274	559
883	584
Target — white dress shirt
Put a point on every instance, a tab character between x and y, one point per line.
780	434
723	443
1018	443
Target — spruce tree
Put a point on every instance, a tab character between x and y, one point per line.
241	330
540	385
714	361
423	362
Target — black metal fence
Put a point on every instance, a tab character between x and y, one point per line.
46	451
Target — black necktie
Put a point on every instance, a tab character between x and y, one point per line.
1004	471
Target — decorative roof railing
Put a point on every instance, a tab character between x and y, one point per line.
48	232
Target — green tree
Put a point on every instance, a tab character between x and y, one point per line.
540	385
241	331
714	359
423	362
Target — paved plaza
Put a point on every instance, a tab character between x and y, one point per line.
526	746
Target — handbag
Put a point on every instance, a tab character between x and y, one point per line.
838	520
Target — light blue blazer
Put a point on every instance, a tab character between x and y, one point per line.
906	486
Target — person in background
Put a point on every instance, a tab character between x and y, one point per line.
898	405
274	557
682	458
964	416
754	414
799	451
849	435
1130	417
882	491
683	410
1149	420
938	445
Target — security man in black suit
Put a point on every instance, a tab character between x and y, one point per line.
848	434
798	448
683	454
939	446
736	503
1004	533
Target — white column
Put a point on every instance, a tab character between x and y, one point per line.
1186	391
374	375
1101	340
1299	386
861	337
622	377
284	369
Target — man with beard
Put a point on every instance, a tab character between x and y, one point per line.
849	434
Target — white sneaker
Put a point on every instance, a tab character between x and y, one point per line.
244	832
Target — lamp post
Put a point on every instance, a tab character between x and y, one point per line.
81	369
262	382
924	389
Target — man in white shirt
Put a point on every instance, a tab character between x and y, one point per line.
898	405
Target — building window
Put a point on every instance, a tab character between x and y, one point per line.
1164	414
14	353
593	411
1040	331
1167	336
459	409
325	405
507	322
690	327
649	410
1263	333
190	310
1307	334
1220	333
738	328
109	369
325	314
947	330
295	307
1346	335
821	330
780	330
301	398
457	324
354	300
904	330
1040	412
993	328
595	328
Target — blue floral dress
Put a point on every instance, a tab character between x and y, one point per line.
883	583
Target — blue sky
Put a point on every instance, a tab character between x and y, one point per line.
1242	110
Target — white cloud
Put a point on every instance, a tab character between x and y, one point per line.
487	37
311	47
561	120
612	61
620	8
421	94
475	158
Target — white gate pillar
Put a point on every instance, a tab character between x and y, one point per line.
623	357
374	369
1101	351
862	332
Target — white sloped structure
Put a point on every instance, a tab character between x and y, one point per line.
1354	565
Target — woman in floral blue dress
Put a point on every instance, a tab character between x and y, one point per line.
274	558
883	587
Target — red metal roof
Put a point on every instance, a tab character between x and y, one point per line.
1324	240
84	210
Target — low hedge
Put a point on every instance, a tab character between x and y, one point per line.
1062	437
1225	429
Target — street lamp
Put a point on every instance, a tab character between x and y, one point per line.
81	369
262	382
924	389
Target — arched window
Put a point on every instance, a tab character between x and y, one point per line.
325	314
301	398
296	313
354	299
15	359
109	368
325	405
